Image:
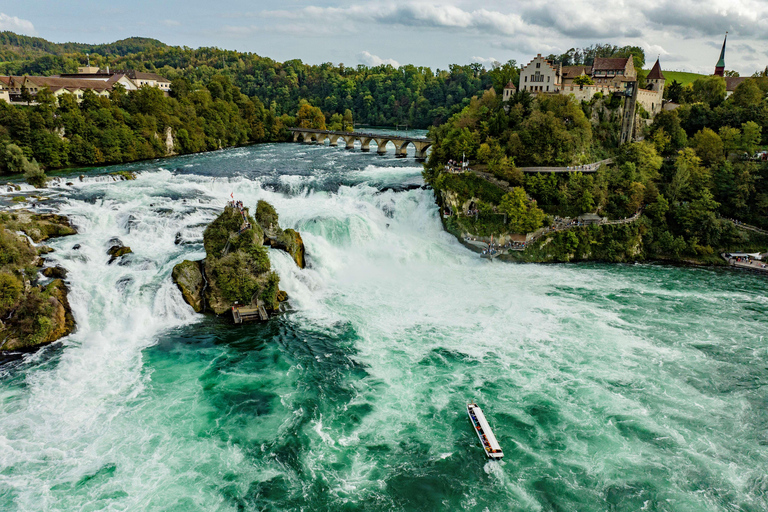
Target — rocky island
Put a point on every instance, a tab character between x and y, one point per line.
236	269
31	313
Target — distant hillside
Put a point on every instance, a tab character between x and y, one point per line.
683	77
19	47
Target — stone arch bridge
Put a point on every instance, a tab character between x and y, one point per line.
311	135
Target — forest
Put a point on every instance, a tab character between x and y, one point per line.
219	98
693	169
381	95
130	126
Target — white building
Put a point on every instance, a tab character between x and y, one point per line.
540	75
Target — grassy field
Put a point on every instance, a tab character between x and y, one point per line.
683	77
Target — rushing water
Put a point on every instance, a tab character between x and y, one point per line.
610	387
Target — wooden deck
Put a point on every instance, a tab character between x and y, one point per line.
249	314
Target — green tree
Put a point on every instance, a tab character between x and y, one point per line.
709	90
751	134
708	146
310	117
747	94
583	79
523	216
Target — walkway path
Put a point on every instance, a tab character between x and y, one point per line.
562	225
751	265
587	168
740	224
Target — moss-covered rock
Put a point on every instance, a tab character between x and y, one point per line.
237	269
118	252
56	272
32	315
36	226
289	241
124	175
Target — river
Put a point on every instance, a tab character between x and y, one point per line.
610	387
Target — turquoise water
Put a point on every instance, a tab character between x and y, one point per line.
610	387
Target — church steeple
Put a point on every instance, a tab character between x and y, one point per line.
720	67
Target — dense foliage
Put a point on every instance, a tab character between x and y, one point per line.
381	95
694	169
131	126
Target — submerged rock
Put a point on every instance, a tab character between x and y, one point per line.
117	250
237	269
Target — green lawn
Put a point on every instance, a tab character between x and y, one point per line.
681	76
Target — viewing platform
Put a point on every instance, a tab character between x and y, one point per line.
313	136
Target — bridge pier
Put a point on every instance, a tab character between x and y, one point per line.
421	149
334	140
365	144
350	140
381	146
401	148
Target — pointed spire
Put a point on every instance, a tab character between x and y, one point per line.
720	67
655	73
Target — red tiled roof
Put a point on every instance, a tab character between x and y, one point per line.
605	64
510	85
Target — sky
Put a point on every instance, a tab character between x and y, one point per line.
685	34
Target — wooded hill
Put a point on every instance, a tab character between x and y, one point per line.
381	95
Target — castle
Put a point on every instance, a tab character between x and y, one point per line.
609	75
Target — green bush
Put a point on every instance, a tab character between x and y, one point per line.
10	290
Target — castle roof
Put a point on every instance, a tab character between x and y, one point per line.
606	64
510	85
656	73
574	71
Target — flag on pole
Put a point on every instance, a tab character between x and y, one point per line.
232	195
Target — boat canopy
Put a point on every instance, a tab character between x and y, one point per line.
492	442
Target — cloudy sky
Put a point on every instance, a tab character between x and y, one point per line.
687	34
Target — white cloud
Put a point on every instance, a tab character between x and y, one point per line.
15	24
369	59
484	60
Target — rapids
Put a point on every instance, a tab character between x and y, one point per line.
610	387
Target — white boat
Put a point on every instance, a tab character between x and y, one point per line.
484	432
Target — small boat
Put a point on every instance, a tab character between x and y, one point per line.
484	432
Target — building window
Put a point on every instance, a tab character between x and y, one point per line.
538	65
547	88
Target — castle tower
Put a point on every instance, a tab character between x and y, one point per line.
720	67
655	79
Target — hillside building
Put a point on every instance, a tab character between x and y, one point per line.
99	81
540	76
509	91
610	75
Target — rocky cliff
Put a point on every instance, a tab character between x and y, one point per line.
32	313
236	269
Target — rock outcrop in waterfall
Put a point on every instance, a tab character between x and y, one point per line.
33	312
236	269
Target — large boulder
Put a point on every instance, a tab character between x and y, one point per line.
289	241
189	278
32	314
